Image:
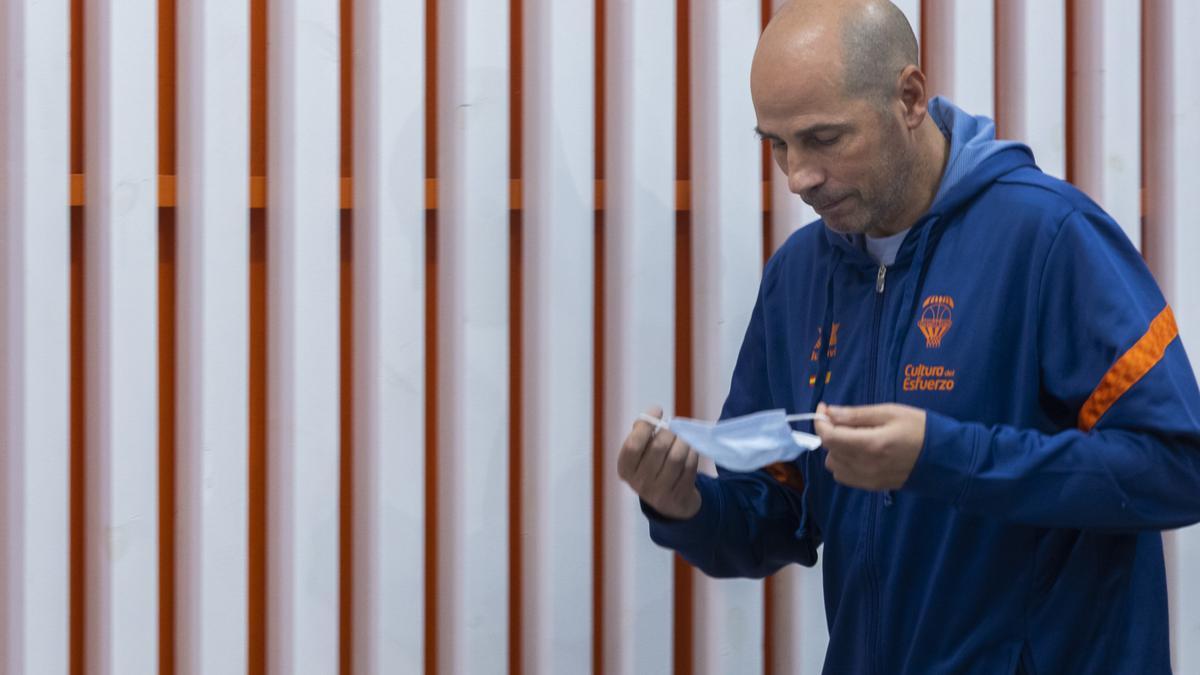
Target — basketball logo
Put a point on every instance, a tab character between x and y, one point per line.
936	319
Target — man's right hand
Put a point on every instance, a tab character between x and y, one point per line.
660	468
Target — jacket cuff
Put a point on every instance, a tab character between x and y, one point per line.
947	460
702	527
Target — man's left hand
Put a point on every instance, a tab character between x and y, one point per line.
871	447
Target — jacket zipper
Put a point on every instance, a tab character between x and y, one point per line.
872	515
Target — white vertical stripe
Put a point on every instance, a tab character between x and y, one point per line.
960	50
1032	104
213	323
34	402
727	245
302	268
801	634
559	295
1172	240
389	337
473	335
1108	115
639	321
122	337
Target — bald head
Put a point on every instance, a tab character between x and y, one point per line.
839	95
863	43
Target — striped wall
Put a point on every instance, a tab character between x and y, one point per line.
321	321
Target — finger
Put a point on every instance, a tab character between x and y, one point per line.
654	411
653	458
842	471
861	416
851	444
633	449
674	464
822	426
687	478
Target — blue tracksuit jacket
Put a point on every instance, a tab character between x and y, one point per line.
1063	433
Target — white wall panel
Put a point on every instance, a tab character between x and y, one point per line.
1172	241
1107	149
389	337
213	328
639	322
122	337
960	52
559	300
727	250
303	397
473	331
1032	78
34	403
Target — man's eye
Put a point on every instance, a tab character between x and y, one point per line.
778	145
827	140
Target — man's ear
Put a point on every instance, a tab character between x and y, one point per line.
914	96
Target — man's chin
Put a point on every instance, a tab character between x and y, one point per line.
845	226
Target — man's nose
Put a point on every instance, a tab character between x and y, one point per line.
803	176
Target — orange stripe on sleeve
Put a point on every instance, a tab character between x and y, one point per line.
1130	368
788	474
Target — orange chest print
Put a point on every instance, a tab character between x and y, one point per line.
937	315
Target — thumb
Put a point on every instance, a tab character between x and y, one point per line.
859	416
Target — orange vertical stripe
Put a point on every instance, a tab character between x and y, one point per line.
258	88
346	349
78	571
346	483
77	80
166	340
431	88
166	440
598	468
516	103
78	592
431	442
516	283
683	602
1130	368
166	87
257	460
431	351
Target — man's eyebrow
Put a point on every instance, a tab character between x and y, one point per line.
806	131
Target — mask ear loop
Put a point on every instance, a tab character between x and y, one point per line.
659	424
808	417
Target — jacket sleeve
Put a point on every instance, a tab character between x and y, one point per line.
749	524
1113	365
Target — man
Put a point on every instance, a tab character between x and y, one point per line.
1016	417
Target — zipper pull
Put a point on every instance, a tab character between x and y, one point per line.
879	278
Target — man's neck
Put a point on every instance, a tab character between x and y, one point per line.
934	149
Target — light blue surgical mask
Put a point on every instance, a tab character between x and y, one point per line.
745	443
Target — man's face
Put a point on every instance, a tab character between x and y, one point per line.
848	158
